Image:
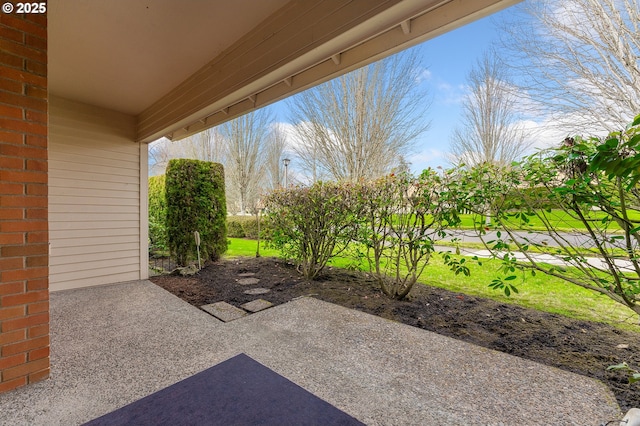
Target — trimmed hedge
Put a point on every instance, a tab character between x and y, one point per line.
247	227
195	202
157	214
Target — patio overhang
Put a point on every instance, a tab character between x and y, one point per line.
253	53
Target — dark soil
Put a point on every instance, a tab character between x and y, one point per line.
582	347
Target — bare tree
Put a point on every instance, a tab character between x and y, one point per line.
245	139
578	60
160	152
489	130
274	153
361	124
207	145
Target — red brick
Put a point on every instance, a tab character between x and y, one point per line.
37	189
38	237
23	77
38	18
8	214
11	288
39	375
39	353
8	263
22	274
36	308
26	177
25	369
37	141
37	68
12	138
14	336
20	49
33	261
26	322
21	100
37	214
11	163
25	346
24	250
37	284
11	60
38	117
36	92
12	312
22	150
11	112
7	385
39	330
24	25
11	188
23	126
23	225
22	201
12	34
37	165
17	238
11	361
12	86
36	42
23	298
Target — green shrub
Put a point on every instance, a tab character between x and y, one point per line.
311	225
195	202
234	228
247	227
157	214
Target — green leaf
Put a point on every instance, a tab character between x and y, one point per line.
622	366
635	377
510	278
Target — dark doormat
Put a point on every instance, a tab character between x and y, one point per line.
239	391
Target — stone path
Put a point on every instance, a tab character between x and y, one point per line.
227	312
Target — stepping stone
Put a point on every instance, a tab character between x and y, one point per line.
256	305
223	311
256	291
248	281
247	274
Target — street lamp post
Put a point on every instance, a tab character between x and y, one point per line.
286	162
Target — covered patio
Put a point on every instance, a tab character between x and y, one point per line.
86	85
114	344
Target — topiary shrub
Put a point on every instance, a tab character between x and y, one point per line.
195	202
157	214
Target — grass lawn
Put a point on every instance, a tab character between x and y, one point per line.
539	292
562	221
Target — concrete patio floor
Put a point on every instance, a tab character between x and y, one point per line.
111	345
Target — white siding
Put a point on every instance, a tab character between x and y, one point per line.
95	190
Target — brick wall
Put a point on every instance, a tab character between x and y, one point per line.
24	240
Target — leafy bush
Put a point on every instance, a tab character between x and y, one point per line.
311	225
581	177
234	228
195	202
401	216
247	227
157	214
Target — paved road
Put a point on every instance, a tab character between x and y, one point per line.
576	239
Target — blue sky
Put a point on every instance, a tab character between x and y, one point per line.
448	58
